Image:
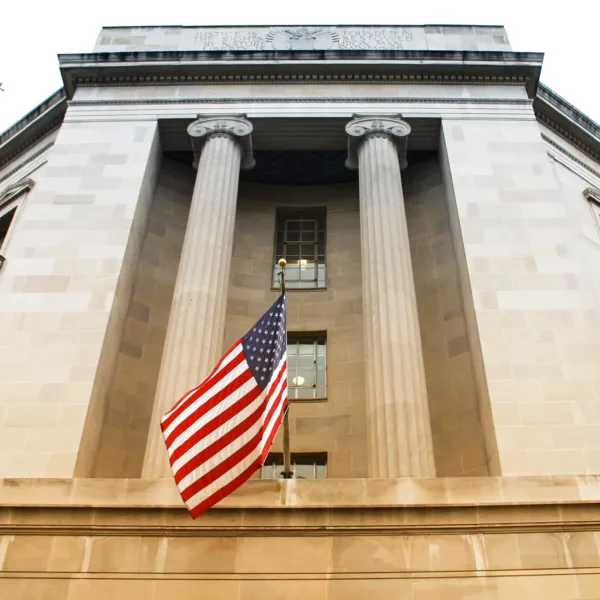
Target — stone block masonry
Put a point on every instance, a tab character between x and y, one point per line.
64	294
536	310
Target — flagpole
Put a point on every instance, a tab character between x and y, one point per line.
287	462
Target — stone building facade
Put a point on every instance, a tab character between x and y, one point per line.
440	212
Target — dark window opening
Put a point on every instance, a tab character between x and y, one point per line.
5	221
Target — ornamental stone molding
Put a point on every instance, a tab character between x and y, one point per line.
236	127
364	126
592	194
9	193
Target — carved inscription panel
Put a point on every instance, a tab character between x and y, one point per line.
310	38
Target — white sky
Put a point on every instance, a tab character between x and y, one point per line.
33	32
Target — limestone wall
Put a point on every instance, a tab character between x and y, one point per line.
456	426
536	303
131	397
63	289
456	538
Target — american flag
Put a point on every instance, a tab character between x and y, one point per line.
220	432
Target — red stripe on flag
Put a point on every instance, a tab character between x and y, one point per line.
219	444
213	424
279	418
190	397
223	394
237	431
227	465
197	510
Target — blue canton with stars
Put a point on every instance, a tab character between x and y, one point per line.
265	344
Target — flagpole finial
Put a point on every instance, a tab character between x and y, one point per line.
282	263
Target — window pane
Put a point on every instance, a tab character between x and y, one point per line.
321	379
308	274
307	252
292	251
305	362
321	471
306	349
304	471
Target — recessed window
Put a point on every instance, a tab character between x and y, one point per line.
593	197
12	198
300	239
307	366
305	465
5	222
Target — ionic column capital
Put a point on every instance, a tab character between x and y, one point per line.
364	126
235	127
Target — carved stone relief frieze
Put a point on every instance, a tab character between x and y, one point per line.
310	38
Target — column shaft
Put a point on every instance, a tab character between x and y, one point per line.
398	416
194	340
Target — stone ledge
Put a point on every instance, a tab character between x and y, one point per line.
310	494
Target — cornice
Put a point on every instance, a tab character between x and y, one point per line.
570	156
26	162
391	66
303	100
552	98
567	122
56	98
33	127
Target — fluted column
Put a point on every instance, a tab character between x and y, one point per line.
194	340
398	426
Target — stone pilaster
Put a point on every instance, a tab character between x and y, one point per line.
398	416
194	340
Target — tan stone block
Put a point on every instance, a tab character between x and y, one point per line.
32	589
288	589
502	551
532	437
568	390
588	585
546	413
559	488
114	554
450	552
201	555
374	589
197	589
370	553
46	284
66	553
27	553
582	549
283	555
552	587
455	589
98	589
542	551
555	462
